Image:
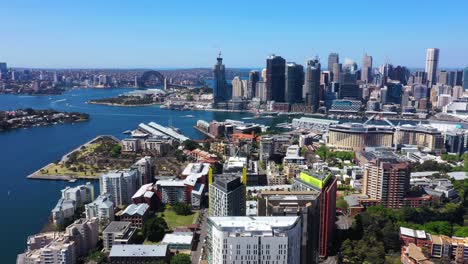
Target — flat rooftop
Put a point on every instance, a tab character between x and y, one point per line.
117	226
138	251
253	223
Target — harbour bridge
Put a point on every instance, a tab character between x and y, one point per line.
151	78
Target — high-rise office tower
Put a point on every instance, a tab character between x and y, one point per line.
254	77
465	78
386	177
238	89
220	87
332	59
294	82
312	84
3	67
264	76
227	195
452	75
305	204
459	78
275	78
420	77
443	77
349	89
326	184
366	72
336	72
419	91
432	61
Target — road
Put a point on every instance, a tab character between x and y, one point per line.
196	255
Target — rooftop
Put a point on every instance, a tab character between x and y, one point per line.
253	223
117	226
178	238
138	251
170	183
136	209
102	201
143	189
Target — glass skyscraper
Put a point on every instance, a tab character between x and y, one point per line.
220	87
294	82
275	78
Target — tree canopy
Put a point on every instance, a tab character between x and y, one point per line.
154	229
181	259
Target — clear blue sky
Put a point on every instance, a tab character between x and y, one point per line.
188	33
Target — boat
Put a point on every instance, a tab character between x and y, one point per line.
127	132
188	116
248	118
72	180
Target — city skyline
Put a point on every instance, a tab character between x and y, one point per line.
166	35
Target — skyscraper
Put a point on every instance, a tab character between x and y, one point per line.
459	78
443	77
432	61
312	84
220	87
3	67
465	78
238	88
294	82
336	72
366	72
275	78
227	195
386	177
326	184
332	59
305	204
348	86
254	77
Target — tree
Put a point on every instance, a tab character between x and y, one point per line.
182	209
115	150
190	144
181	259
154	229
342	204
96	256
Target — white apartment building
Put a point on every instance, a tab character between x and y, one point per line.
61	247
102	208
120	185
81	194
254	240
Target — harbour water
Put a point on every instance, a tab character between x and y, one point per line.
26	204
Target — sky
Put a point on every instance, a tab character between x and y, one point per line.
188	33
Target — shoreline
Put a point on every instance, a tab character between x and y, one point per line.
125	105
37	175
43	125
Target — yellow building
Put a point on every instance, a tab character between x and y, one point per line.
425	137
357	136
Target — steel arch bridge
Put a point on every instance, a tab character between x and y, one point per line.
147	75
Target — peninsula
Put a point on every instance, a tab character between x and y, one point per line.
23	118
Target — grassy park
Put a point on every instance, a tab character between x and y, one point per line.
174	220
90	160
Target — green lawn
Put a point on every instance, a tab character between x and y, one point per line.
174	220
59	169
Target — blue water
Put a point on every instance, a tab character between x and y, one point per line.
26	204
